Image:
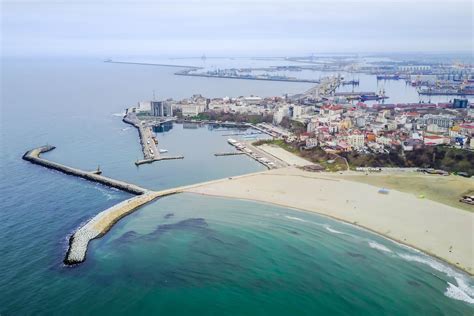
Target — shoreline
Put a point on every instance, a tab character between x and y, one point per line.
357	226
432	228
416	230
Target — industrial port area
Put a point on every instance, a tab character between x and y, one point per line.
431	77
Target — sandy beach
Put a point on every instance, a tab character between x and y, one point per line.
438	229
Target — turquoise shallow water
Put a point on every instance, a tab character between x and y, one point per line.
192	254
183	253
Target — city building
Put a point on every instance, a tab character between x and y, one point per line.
192	109
161	108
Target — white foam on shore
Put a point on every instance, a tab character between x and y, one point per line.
332	230
119	114
296	219
378	246
456	293
461	291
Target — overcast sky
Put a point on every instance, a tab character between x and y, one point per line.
234	28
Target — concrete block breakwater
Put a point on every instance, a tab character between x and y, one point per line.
33	156
101	224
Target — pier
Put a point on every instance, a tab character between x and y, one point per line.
148	141
151	64
150	160
232	153
326	87
244	77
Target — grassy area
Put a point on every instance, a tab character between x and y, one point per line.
438	157
234	117
442	189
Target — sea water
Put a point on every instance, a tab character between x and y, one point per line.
183	253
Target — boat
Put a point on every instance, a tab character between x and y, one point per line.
372	97
388	77
162	151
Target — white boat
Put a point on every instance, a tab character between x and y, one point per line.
162	151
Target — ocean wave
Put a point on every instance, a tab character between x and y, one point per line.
107	195
378	246
434	264
332	230
456	293
461	291
296	218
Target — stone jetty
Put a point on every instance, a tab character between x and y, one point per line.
101	224
33	156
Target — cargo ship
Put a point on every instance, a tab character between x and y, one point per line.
388	77
430	91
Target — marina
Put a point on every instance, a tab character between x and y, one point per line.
148	141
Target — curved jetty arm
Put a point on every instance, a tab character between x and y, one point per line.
101	224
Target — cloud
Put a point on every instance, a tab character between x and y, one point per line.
233	27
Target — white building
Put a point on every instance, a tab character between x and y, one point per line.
252	100
433	128
470	112
383	140
192	109
144	106
298	111
356	140
282	112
